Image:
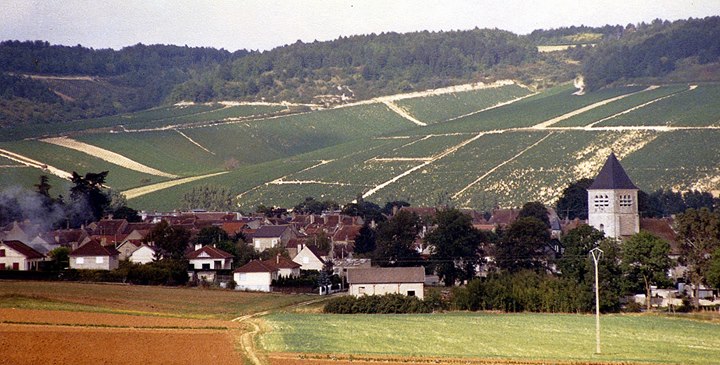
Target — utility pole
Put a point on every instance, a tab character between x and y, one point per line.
596	254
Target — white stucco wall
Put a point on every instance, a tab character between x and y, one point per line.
256	281
614	218
13	257
142	255
307	260
225	264
94	262
382	289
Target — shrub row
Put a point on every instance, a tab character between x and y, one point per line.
389	303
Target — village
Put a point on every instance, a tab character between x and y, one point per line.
293	252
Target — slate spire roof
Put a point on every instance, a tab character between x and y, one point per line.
612	176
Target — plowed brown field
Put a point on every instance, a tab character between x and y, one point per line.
32	316
29	344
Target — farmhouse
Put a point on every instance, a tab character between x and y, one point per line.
15	255
94	256
207	261
143	255
387	280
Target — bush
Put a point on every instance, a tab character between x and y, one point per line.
372	304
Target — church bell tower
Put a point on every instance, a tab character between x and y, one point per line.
613	201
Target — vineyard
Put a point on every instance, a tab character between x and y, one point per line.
480	147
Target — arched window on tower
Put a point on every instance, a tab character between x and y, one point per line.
626	200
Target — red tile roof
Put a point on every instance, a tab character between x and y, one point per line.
94	248
212	252
281	263
24	249
255	266
270	231
662	227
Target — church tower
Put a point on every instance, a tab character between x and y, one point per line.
613	201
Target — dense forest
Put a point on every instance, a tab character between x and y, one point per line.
79	82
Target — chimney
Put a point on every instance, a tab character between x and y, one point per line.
394	210
198	246
277	259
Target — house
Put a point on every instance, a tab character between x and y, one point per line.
286	267
15	255
613	201
126	248
387	280
94	256
343	265
255	276
272	236
143	255
309	257
209	258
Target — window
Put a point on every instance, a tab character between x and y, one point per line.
80	260
2	253
16	266
411	293
601	201
99	260
626	201
218	265
2	266
206	266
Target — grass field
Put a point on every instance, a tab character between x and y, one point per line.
139	300
625	338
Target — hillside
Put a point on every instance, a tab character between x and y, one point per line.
476	146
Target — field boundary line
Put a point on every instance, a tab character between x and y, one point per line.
29	162
586	108
147	189
106	155
456	195
504	103
403	113
692	87
193	142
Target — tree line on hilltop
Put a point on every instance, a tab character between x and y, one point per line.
362	66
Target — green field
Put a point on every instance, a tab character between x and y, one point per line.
549	337
457	104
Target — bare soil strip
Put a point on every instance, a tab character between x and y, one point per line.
490	107
403	113
573	113
306	182
134	193
280	180
103	154
692	87
34	163
511	159
195	143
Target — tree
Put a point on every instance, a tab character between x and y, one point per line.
88	192
699	232
577	245
244	253
713	275
60	258
127	213
170	241
536	210
645	257
365	241
43	187
524	246
312	206
455	246
320	240
211	235
573	202
395	244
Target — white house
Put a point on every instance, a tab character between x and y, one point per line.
613	201
286	267
255	276
15	255
143	255
387	280
309	257
207	260
94	256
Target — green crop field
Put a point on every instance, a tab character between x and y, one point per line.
457	104
70	160
698	107
546	337
619	106
26	177
484	157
